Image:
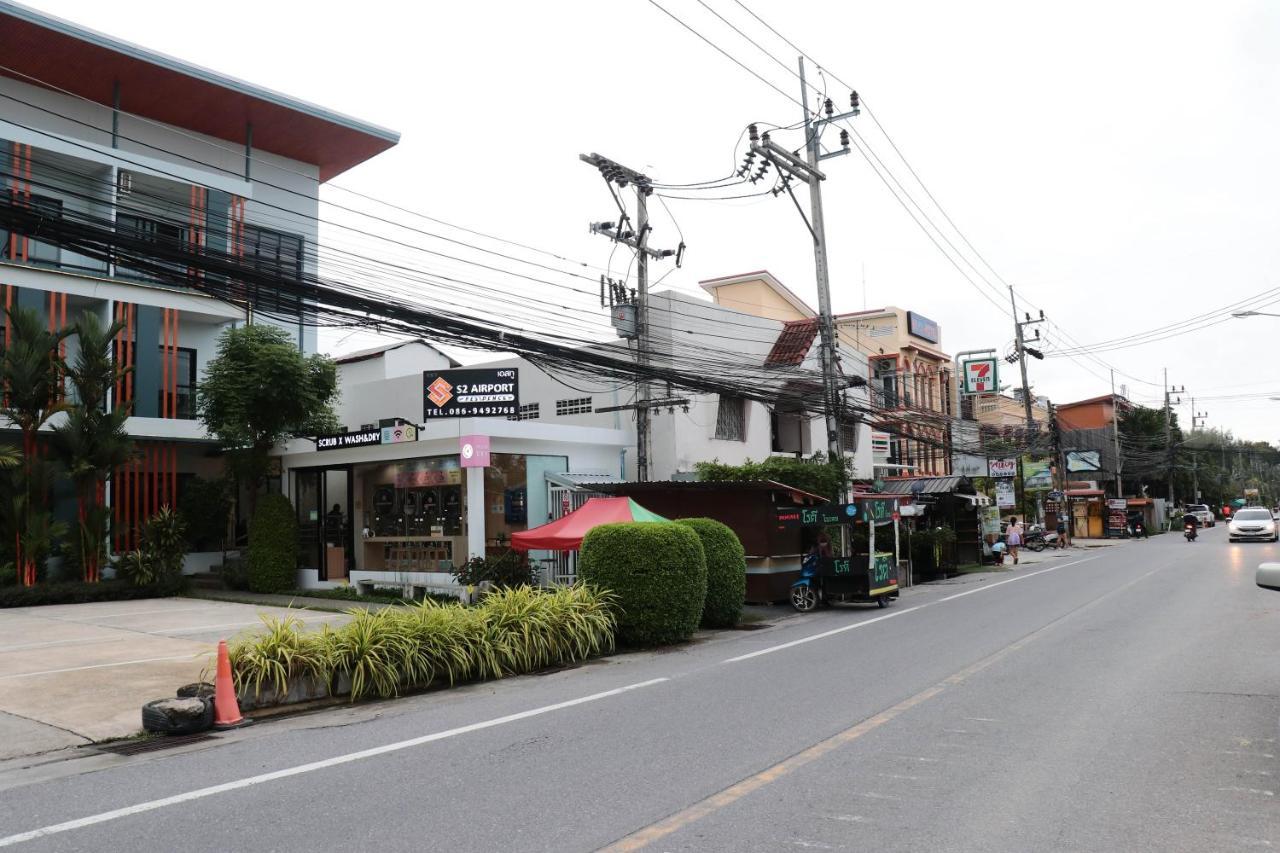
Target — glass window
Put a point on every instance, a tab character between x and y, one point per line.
185	386
279	256
731	419
165	236
506	499
37	252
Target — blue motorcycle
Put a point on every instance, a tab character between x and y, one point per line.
826	580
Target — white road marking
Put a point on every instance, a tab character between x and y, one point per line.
190	657
238	784
854	626
256	622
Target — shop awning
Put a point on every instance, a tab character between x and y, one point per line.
920	485
565	534
1085	493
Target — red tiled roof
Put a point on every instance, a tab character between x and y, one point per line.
794	342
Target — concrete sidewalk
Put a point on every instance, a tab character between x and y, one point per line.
78	673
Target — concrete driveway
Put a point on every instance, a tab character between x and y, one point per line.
77	673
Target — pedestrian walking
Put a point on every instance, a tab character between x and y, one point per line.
1064	540
1013	537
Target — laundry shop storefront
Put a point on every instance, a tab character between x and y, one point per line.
405	503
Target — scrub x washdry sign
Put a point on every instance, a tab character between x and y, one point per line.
471	393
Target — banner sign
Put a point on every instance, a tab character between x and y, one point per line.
399	434
1036	474
470	393
1005	495
980	375
1083	460
474	451
1002	468
816	516
922	327
343	440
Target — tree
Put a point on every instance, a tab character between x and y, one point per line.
92	442
259	390
31	378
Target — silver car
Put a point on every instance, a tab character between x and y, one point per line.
1253	523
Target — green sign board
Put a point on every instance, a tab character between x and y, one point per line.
816	516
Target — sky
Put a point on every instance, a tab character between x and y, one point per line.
1114	161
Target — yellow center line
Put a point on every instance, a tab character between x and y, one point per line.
663	828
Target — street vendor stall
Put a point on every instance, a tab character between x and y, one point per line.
863	573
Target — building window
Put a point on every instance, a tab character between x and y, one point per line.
575	406
279	256
166	237
45	254
184	386
527	412
885	380
731	419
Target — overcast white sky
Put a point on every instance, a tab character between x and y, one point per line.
1115	161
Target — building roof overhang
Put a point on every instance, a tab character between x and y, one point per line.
56	54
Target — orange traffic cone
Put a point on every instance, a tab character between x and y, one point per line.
226	710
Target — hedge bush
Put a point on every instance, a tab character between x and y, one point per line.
659	573
82	593
726	572
273	545
381	652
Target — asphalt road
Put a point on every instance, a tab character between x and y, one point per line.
1119	699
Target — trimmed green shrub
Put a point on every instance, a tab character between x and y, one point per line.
82	593
273	545
381	652
658	571
726	572
235	573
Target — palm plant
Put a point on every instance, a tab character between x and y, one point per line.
9	457
92	442
31	378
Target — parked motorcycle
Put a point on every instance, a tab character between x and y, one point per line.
1038	539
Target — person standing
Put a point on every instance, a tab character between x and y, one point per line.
1013	537
1064	540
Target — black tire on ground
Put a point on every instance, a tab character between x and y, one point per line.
1036	545
804	598
177	716
882	601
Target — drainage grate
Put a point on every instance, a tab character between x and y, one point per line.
152	744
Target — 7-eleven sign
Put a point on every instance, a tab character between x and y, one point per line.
981	376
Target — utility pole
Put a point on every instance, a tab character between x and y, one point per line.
791	167
1168	429
638	239
1197	420
1022	351
1115	434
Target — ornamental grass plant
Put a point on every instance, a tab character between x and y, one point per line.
382	652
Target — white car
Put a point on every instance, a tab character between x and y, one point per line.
1203	514
1253	522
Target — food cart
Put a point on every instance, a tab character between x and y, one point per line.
855	577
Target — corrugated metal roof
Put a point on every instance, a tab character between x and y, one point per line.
794	342
574	480
920	485
619	487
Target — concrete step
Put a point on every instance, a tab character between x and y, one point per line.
206	580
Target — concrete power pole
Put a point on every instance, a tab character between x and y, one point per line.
1115	435
1168	429
806	170
638	239
1022	351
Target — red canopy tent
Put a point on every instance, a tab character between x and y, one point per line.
565	534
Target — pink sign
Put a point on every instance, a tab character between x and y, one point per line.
474	451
